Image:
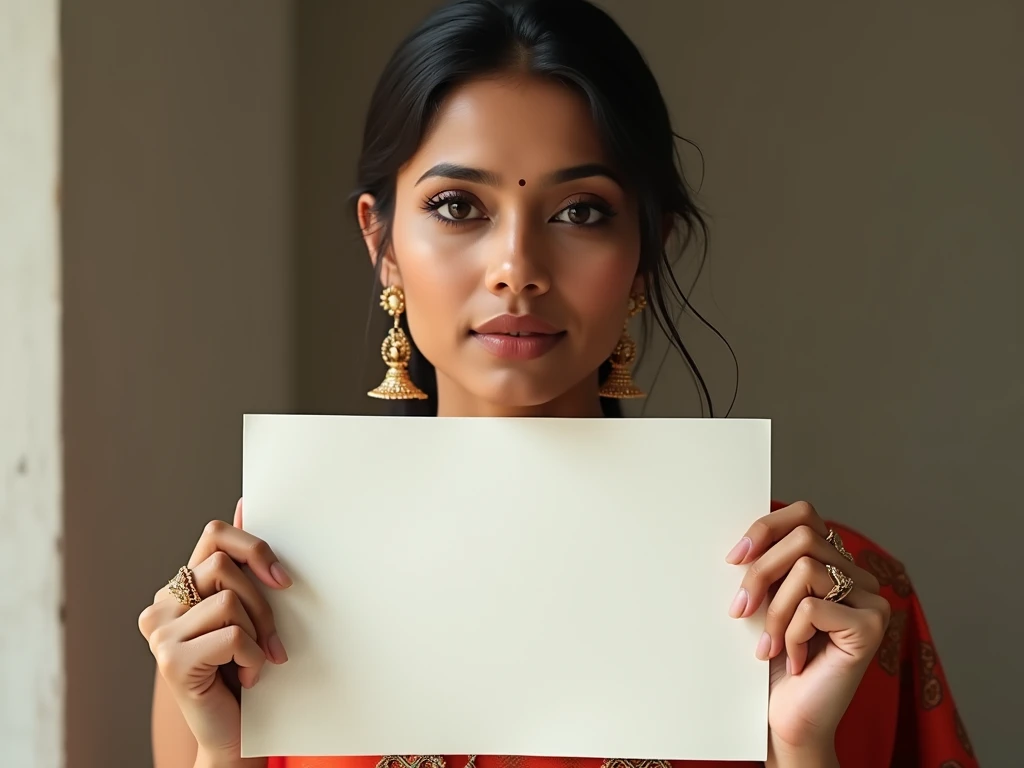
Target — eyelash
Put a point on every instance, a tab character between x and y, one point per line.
434	204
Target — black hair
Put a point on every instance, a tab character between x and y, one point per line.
578	44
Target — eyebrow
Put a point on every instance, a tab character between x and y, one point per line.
461	173
585	171
491	179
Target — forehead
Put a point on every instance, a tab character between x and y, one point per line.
520	124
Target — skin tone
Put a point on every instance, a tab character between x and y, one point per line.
470	243
511	207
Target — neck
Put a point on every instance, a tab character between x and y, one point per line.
582	401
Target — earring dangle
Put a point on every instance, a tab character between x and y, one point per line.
620	384
396	352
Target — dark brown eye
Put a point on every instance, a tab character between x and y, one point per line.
453	208
579	214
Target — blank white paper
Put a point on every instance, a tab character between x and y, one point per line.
543	587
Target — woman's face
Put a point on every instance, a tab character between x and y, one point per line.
516	247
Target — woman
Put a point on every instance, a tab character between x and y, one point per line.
517	188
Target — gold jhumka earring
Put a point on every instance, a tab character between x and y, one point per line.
620	384
396	352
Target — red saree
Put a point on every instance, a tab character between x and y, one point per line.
902	716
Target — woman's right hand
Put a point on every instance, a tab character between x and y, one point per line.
231	625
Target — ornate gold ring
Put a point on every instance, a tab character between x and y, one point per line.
834	539
842	585
183	587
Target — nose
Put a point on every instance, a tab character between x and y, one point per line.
517	265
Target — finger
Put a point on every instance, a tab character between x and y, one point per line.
772	528
160	612
855	626
218	574
237	521
807	578
224	609
242	547
223	646
773	566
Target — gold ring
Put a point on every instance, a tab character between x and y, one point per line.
834	539
183	587
842	585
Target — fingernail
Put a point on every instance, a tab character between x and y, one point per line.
789	666
736	555
739	604
255	679
280	575
764	645
276	649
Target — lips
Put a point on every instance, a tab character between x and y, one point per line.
518	337
517	325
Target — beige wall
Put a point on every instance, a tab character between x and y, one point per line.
177	282
862	174
31	654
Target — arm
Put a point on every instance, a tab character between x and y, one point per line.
209	616
174	746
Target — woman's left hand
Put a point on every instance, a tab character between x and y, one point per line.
819	649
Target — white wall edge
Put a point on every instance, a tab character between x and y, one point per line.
31	637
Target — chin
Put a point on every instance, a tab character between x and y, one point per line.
518	391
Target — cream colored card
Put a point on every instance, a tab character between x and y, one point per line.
515	587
